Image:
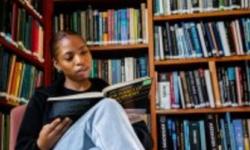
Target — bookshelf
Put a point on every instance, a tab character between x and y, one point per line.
8	39
213	64
28	57
7	105
22	61
112	50
203	15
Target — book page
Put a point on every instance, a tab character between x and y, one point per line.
87	95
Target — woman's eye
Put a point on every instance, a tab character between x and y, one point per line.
68	57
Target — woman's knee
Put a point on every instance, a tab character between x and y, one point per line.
110	104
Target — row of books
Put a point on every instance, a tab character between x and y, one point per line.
18	79
4	131
120	69
184	89
202	39
121	26
234	85
170	7
29	33
212	131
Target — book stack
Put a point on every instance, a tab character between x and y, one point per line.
114	26
210	131
202	39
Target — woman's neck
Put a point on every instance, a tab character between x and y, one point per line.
77	86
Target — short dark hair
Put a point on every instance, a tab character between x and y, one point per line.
58	37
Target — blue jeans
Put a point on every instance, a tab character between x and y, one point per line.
104	127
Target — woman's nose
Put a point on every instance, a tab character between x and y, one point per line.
79	60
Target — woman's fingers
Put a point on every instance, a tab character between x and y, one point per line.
51	132
59	128
50	127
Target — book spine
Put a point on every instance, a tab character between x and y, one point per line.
163	133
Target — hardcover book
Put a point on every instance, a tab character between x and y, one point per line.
130	94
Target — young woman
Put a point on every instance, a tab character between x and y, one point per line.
103	127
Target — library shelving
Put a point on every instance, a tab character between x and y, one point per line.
234	65
12	38
140	47
24	55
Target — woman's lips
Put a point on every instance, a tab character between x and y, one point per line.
82	69
82	72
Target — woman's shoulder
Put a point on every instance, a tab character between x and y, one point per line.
45	90
98	84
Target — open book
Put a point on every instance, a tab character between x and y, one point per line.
130	94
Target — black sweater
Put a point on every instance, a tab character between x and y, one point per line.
35	116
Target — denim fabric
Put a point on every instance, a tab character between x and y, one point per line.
104	127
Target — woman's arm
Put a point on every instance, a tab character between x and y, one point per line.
32	122
32	134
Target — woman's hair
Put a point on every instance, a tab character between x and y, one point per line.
58	37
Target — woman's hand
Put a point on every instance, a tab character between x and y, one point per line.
52	132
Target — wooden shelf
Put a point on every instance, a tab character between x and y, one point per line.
31	11
107	4
232	58
203	111
95	1
181	61
4	103
20	53
128	47
188	61
203	15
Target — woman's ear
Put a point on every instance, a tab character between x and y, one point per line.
55	63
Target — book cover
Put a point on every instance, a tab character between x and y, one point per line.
130	94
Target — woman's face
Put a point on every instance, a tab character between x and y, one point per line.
73	58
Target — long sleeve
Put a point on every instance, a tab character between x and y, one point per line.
32	122
35	115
